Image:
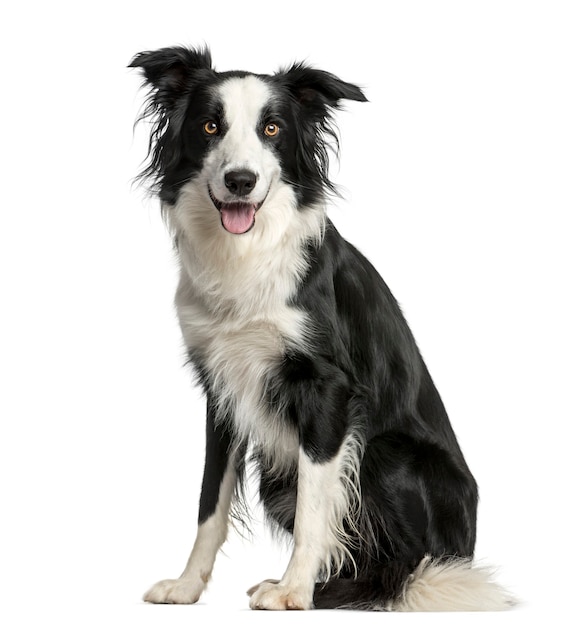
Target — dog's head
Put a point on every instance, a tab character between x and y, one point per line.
237	140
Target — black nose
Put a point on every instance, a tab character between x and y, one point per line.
240	182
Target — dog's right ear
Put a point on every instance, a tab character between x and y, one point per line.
169	71
170	74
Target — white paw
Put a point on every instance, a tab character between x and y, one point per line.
175	591
274	596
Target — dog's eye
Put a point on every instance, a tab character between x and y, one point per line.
271	130
211	128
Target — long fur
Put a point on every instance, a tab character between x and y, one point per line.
309	367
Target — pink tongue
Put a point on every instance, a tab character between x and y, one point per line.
238	218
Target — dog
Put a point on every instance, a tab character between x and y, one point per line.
311	374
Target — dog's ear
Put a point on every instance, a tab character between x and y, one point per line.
170	74
169	71
317	94
318	91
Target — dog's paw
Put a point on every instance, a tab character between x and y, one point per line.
274	596
175	591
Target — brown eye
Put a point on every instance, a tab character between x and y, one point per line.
271	130
211	128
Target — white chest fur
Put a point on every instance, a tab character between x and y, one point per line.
233	304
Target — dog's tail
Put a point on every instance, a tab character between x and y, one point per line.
450	584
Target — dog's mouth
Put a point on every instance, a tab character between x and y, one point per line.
236	217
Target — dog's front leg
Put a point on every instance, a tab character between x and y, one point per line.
219	480
321	504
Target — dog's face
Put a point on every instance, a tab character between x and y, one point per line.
245	136
233	143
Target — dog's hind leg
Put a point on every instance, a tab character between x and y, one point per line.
219	481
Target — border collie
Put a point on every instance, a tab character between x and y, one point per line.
310	371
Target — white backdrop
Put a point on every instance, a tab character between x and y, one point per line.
452	185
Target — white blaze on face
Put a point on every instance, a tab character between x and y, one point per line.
242	147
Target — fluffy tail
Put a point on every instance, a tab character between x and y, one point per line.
434	585
451	585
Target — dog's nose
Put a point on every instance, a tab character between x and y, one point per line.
240	182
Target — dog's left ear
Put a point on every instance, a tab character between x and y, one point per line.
317	90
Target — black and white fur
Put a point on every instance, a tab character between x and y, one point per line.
310	370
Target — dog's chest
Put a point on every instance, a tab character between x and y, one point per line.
240	343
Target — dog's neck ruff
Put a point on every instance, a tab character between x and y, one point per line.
235	305
252	273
